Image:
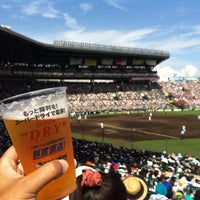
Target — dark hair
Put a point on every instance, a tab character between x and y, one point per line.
197	195
111	188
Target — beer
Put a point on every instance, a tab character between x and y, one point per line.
41	132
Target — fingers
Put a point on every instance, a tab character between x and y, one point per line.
9	161
26	186
8	168
35	181
20	169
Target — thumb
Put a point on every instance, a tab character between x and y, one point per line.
35	181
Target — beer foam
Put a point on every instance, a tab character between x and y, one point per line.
19	111
31	106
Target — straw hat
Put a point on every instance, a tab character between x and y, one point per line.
136	188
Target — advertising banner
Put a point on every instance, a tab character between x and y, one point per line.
107	61
150	62
119	61
90	62
76	61
137	62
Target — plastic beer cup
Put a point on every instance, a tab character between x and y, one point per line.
38	125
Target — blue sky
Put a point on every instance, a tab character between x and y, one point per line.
170	25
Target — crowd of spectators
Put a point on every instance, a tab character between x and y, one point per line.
118	97
180	173
186	91
123	96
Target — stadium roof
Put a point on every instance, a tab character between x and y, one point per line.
19	49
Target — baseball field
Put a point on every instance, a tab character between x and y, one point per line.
160	132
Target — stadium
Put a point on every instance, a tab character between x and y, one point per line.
119	109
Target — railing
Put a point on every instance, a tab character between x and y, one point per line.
110	48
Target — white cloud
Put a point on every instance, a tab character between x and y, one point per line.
180	43
190	71
116	4
50	12
43	8
130	38
137	38
85	7
165	72
5	6
71	22
100	37
32	8
109	37
197	29
171	39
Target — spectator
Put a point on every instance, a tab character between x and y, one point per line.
96	185
136	188
160	192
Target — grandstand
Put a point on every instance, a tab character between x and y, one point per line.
26	64
130	82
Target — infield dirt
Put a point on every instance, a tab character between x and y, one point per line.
138	127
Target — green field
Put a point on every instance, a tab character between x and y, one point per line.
186	146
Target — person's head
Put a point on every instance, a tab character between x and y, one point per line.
178	198
179	195
136	188
93	185
161	189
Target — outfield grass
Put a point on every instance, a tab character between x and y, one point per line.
185	146
182	112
